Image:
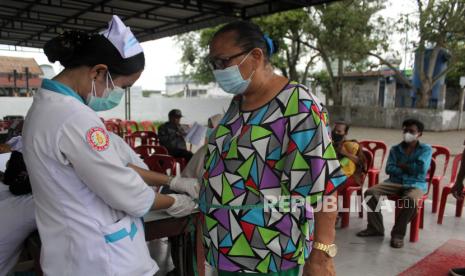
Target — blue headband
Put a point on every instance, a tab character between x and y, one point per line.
269	43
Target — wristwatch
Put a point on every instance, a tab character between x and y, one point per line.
329	249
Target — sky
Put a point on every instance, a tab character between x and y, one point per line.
163	55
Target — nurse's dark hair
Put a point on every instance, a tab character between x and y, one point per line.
73	49
248	36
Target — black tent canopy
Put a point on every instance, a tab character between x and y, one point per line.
30	23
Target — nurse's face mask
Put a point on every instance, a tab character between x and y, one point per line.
111	97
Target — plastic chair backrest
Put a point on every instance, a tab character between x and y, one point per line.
161	163
430	173
112	127
145	137
455	167
130	127
368	158
375	146
146	150
148	126
441	150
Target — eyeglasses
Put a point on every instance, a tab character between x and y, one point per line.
222	63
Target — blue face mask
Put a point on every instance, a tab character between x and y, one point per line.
110	99
231	80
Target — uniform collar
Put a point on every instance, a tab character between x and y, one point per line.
60	88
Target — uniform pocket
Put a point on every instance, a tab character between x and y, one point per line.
128	251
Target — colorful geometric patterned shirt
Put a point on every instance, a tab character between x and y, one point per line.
280	149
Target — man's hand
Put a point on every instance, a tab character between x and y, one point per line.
457	190
319	264
4	148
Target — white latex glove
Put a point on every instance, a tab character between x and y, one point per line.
190	186
182	206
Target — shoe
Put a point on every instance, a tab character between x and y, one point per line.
397	242
458	271
369	233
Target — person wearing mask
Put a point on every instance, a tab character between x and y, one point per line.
407	167
349	152
88	200
171	135
271	143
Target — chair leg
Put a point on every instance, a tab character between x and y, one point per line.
346	209
415	227
435	196
422	214
371	179
459	208
442	206
360	197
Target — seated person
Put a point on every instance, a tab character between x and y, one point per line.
349	152
172	135
407	166
16	208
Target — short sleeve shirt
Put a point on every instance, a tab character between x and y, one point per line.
281	149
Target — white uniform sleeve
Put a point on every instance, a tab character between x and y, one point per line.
125	152
86	145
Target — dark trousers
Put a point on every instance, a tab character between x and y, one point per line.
410	197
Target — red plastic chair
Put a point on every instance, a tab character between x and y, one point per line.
352	186
129	127
417	221
112	127
161	163
439	151
145	137
374	147
148	126
447	190
4	126
147	150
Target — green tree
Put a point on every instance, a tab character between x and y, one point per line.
339	34
440	28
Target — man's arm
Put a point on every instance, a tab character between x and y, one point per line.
421	164
319	263
392	168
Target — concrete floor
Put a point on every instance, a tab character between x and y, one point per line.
375	257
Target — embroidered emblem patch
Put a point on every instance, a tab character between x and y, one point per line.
98	138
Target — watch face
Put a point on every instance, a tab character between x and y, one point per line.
332	250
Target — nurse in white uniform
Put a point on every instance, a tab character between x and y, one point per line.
88	201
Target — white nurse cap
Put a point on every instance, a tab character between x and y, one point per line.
122	38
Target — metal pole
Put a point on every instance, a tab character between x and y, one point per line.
127	104
15	77
27	81
462	97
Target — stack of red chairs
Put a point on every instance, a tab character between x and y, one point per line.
161	163
148	126
447	190
417	221
129	127
146	150
145	137
113	127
